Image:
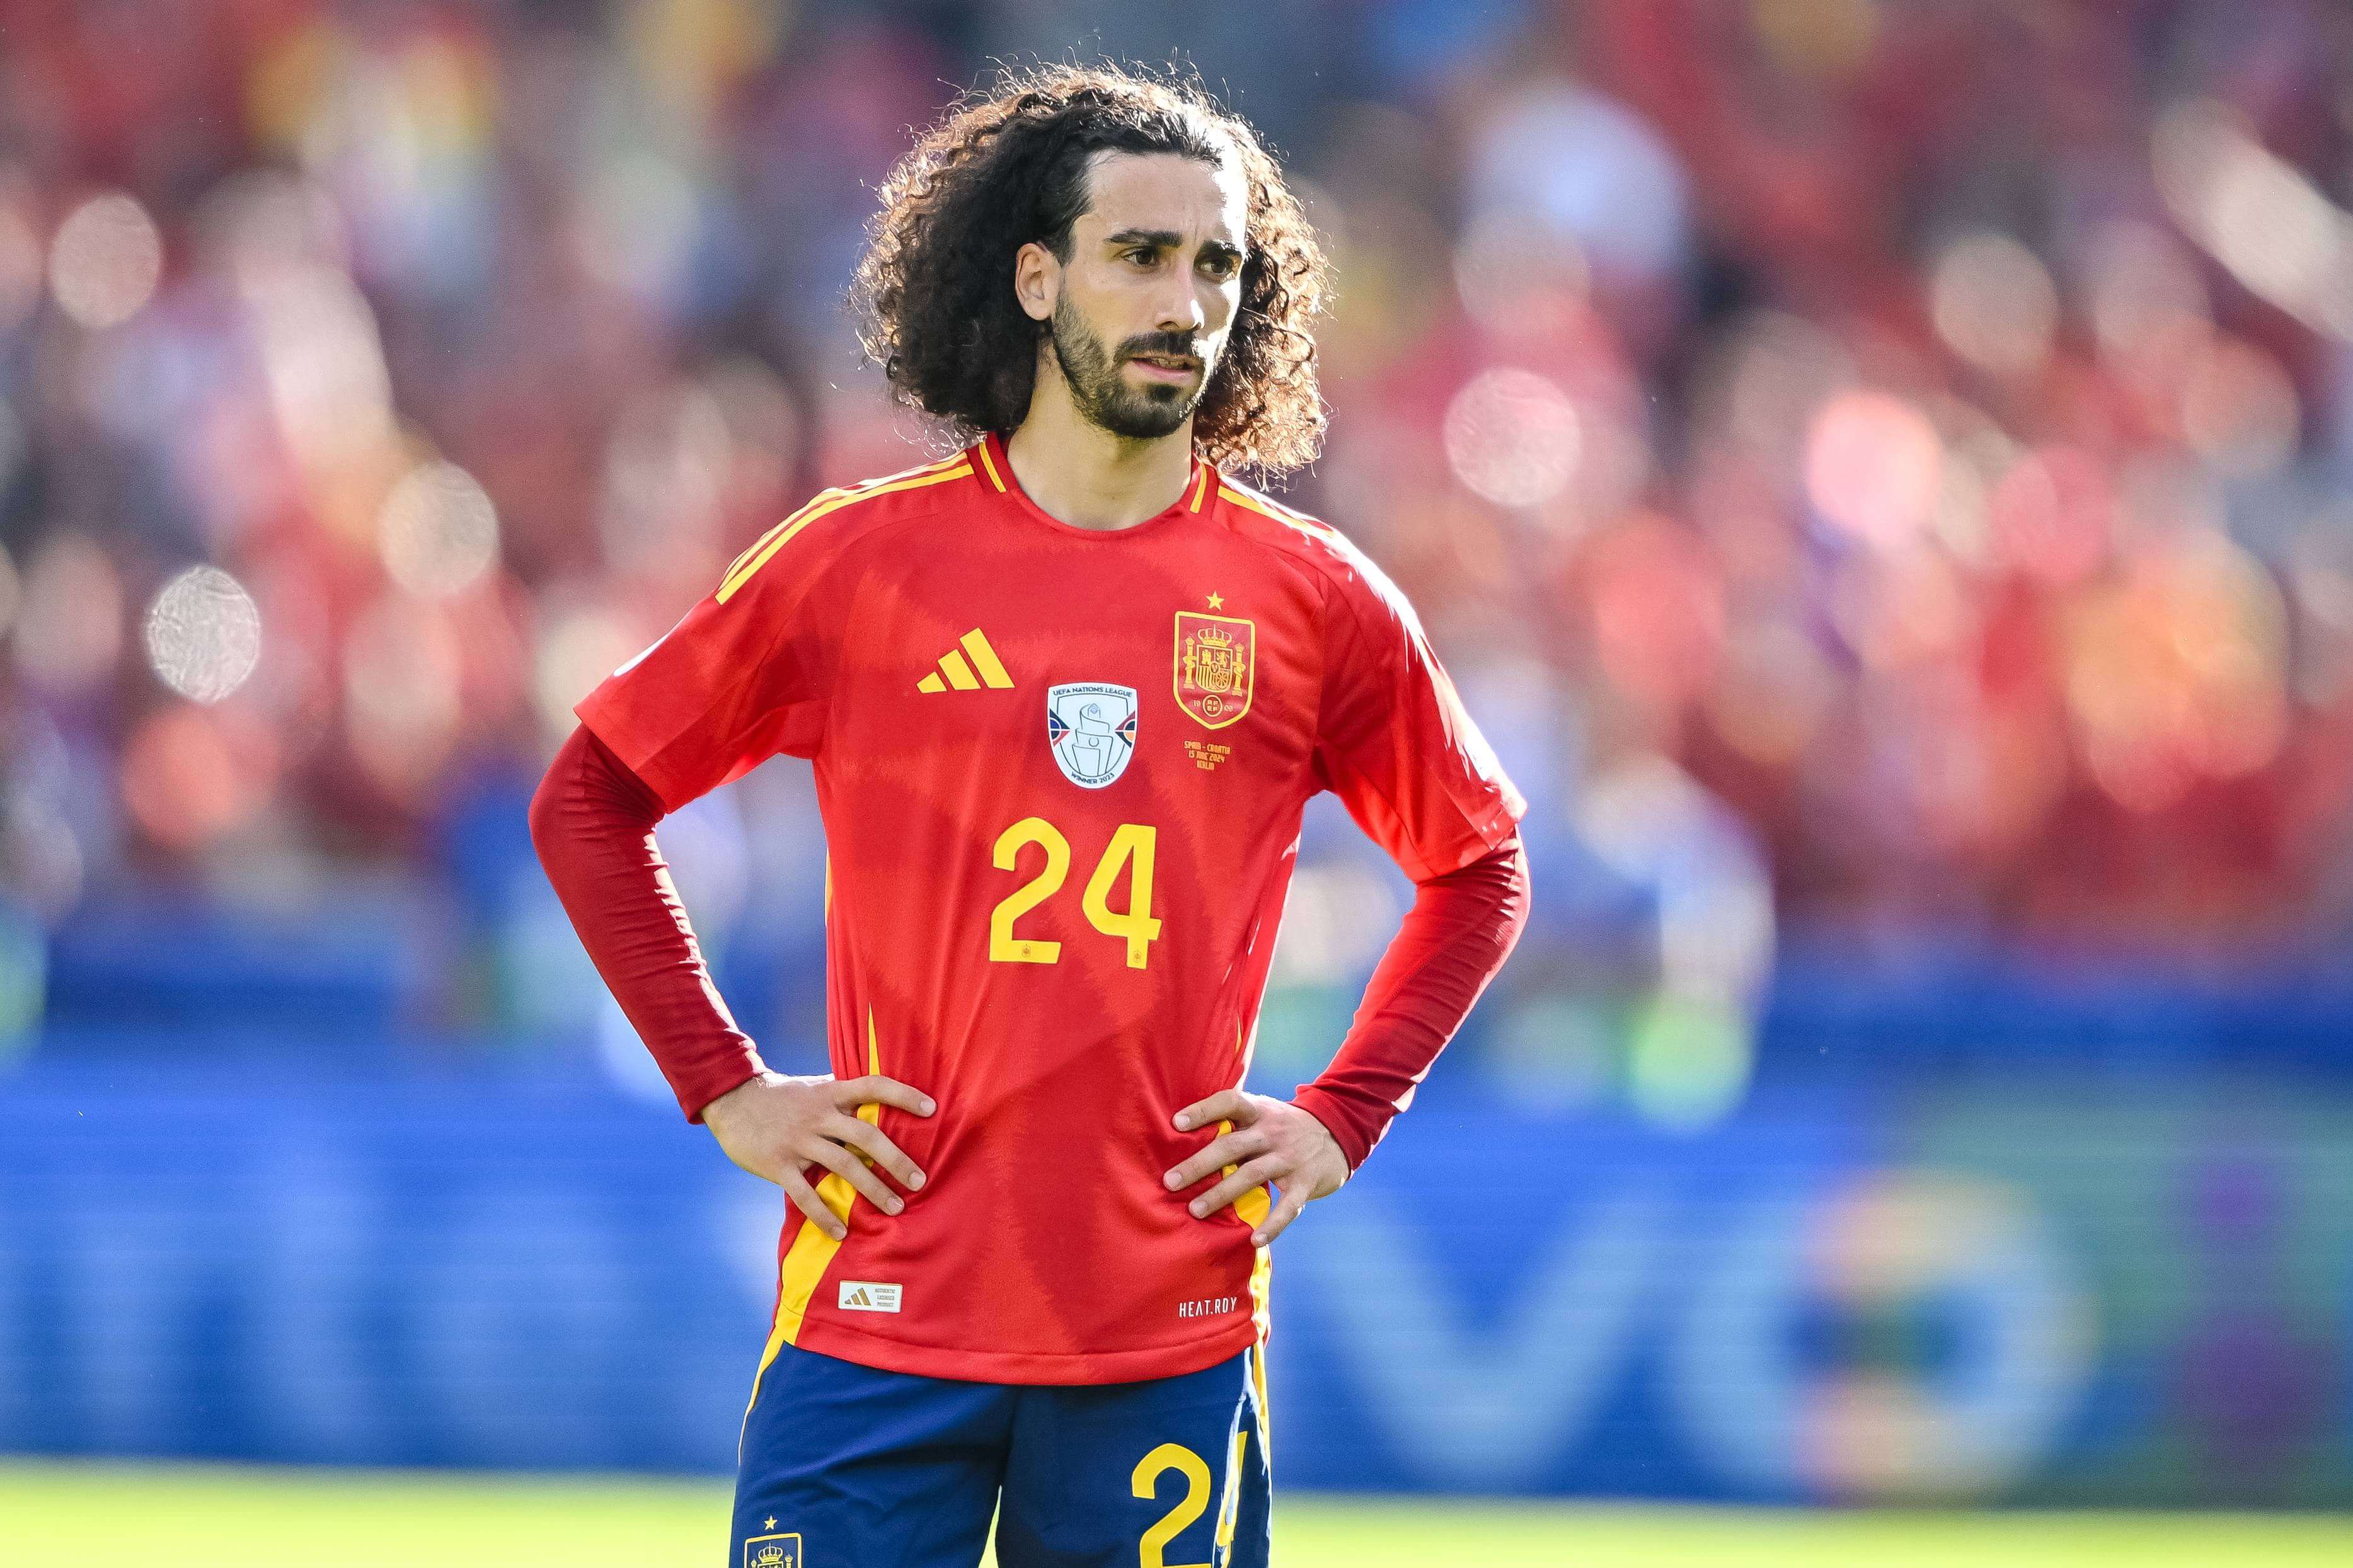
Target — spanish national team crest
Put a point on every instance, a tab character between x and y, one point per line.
1216	663
772	1552
1092	727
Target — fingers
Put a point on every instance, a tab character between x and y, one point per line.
852	1169
870	1140
1286	1209
876	1089
1229	1149
805	1198
1257	1174
1226	1105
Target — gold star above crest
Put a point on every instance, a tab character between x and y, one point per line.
770	1523
1215	603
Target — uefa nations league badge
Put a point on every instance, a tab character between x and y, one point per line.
1092	727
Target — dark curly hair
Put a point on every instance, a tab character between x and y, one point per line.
1006	165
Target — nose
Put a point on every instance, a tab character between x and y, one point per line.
1180	310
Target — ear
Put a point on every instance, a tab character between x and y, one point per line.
1037	281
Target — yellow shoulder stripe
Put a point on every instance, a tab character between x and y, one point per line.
826	504
1275	510
981	446
863	487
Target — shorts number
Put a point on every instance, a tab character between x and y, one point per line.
1151	1552
1131	848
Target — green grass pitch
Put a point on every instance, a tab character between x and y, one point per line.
201	1517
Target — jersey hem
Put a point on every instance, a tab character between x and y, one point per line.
827	1337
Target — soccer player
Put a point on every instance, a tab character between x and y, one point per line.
1066	692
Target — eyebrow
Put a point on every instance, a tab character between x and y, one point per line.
1167	239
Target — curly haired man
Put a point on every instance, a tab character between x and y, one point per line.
1066	692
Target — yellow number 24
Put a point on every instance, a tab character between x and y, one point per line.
1131	848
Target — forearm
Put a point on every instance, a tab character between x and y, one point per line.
592	822
1460	928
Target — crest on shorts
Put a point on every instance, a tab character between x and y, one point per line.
1216	664
772	1552
1092	727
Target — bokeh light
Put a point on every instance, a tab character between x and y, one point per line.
1688	1062
438	532
1874	466
2258	215
204	634
191	775
1994	302
2176	671
104	261
1512	437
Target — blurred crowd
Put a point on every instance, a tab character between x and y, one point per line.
1876	468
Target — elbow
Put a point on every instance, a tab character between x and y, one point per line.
1519	891
553	801
545	813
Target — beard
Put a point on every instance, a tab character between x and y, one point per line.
1100	392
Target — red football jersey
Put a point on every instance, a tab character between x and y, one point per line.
1061	771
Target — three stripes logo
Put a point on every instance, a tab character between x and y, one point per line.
959	673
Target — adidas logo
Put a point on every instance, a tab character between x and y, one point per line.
959	674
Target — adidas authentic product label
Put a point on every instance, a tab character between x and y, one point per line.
866	1296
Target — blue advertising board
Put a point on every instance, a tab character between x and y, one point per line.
2039	1294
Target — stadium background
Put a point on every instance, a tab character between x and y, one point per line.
1877	468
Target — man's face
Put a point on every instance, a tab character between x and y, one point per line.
1150	291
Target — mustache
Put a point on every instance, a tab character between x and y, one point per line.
1164	344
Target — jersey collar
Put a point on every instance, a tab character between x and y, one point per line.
995	471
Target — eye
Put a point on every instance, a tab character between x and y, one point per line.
1139	254
1219	265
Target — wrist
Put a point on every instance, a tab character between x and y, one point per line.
1326	1108
722	1106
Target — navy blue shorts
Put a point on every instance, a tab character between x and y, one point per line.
848	1467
